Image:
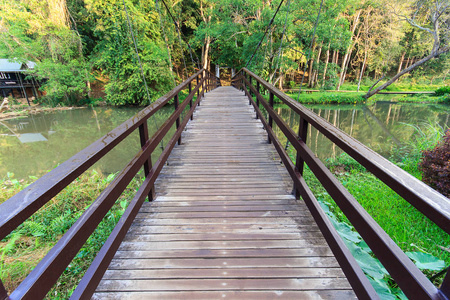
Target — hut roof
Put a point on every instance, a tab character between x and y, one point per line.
8	66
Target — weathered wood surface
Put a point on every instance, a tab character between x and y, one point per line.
224	224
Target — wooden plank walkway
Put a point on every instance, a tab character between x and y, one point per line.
224	224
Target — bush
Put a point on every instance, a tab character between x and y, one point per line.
435	166
340	98
442	91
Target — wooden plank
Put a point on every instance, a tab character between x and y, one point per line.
217	237
225	284
241	294
229	253
257	244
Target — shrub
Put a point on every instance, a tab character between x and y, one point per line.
340	98
435	166
442	91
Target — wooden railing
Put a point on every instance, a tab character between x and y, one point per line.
435	206
20	207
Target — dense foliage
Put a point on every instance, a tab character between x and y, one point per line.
436	166
81	44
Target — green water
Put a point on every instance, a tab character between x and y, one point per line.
34	145
381	126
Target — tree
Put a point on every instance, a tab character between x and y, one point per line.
40	31
434	19
114	54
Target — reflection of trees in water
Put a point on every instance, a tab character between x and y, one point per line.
381	127
68	132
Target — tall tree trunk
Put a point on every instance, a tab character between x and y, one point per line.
326	64
316	71
206	52
362	70
334	57
407	62
349	48
401	62
407	70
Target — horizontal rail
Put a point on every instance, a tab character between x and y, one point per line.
406	274
37	284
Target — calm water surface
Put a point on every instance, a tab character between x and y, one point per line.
34	145
381	126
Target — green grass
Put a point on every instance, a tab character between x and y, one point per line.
28	244
329	98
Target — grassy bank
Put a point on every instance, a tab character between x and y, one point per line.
29	243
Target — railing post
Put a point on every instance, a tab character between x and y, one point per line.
257	99
177	102
190	101
143	136
250	90
270	118
445	287
3	292
299	162
198	91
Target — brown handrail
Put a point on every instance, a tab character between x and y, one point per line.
18	208
428	201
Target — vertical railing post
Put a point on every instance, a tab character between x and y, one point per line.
270	118
3	292
143	136
177	102
299	162
250	90
445	286
205	87
190	101
198	91
257	99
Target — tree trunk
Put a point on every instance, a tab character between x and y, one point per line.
349	49
401	62
407	62
362	70
206	52
334	57
326	65
407	70
316	71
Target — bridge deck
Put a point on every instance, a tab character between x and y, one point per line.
224	224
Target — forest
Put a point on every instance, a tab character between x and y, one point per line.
81	46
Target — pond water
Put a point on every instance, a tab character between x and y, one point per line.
381	126
34	145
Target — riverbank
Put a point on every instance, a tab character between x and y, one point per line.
350	97
17	111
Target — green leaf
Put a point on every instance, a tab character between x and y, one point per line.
382	289
345	231
426	261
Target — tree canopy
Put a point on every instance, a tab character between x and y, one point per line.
79	42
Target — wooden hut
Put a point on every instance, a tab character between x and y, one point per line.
14	82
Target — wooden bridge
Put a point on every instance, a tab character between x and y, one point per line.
223	222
